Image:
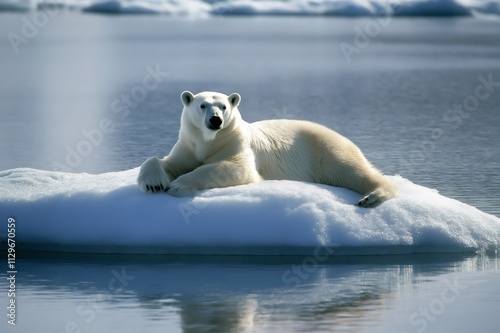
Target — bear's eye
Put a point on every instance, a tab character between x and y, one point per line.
202	106
224	107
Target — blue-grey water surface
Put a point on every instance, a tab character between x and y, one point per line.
412	96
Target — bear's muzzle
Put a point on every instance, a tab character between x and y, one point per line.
214	123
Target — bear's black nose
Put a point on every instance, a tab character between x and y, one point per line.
215	122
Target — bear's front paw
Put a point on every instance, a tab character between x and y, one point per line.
179	189
152	177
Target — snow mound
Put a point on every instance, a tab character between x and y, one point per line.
107	213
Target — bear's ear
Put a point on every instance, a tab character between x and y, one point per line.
187	97
234	99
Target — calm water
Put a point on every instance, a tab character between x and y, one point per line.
412	97
432	293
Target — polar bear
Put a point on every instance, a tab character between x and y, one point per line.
217	148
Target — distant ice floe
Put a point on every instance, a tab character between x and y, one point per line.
107	213
348	8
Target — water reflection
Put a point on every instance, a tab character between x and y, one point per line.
224	294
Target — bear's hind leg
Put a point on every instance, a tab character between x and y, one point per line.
377	196
372	199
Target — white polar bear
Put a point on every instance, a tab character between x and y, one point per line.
217	148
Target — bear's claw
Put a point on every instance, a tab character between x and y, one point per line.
152	177
156	188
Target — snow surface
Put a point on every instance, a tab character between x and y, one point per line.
478	8
108	213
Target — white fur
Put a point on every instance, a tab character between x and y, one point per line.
236	152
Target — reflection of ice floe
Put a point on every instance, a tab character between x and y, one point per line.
231	294
107	213
271	7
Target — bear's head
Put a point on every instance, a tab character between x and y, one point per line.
210	112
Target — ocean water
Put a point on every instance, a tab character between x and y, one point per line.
425	293
78	94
